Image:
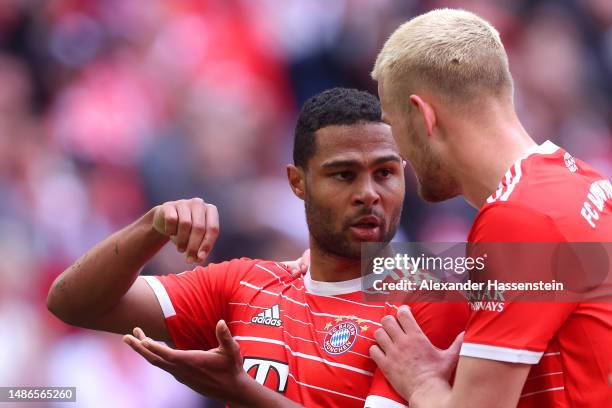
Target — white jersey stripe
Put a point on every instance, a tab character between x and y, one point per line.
260	340
262	290
500	187
304	355
238	321
325	296
314	294
507	354
547	147
517	177
278	277
161	294
376	401
346	300
542	391
544	375
288	273
246	304
299	321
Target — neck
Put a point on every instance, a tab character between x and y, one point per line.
484	151
327	267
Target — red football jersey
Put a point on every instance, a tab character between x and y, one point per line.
548	196
306	339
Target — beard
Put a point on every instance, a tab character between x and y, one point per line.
434	179
321	221
434	185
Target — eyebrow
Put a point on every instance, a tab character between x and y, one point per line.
349	163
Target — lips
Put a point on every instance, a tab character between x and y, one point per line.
366	228
368	221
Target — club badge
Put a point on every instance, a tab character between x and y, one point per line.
340	338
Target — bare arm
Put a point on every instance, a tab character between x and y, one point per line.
478	383
101	291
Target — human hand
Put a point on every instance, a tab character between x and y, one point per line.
192	225
216	373
406	356
300	266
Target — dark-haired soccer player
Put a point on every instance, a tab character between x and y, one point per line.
446	90
306	338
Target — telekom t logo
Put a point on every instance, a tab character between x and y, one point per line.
264	367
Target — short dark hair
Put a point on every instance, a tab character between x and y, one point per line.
336	106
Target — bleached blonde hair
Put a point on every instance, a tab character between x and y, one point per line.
453	53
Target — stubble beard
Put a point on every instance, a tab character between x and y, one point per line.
319	219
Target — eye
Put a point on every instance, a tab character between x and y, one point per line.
344	175
385	173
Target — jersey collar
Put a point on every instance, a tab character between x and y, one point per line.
509	179
547	147
331	288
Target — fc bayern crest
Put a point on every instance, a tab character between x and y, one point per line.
340	338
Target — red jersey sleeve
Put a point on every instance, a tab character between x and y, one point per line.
382	394
441	321
194	301
516	332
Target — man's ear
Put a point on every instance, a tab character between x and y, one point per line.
296	176
427	112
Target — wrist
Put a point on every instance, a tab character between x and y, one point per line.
148	221
246	392
432	392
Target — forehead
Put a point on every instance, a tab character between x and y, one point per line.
367	139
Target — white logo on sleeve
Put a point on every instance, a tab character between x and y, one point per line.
570	163
599	194
264	367
269	317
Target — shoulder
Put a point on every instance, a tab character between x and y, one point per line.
254	271
505	221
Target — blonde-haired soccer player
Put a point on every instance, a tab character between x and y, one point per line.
447	92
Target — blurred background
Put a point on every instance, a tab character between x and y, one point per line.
110	107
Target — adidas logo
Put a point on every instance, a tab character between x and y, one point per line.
269	317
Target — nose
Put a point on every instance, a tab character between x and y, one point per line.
366	194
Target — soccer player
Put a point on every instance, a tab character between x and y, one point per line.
447	92
306	338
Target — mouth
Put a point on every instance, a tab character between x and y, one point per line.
366	228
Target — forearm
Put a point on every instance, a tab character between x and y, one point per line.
97	281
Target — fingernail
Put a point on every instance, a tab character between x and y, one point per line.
190	259
202	255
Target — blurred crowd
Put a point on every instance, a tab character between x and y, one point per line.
110	107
